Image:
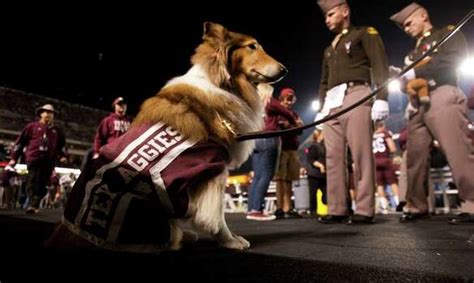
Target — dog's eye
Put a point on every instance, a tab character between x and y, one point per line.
252	46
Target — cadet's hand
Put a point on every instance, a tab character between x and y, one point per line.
393	71
380	110
12	163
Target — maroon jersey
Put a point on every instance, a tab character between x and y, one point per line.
42	142
273	111
111	127
380	146
290	142
123	199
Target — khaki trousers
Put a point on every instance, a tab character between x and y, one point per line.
353	129
444	119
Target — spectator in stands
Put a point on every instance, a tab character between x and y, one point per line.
53	190
402	179
470	100
10	183
112	126
288	168
383	147
3	151
44	143
67	182
265	155
470	105
316	168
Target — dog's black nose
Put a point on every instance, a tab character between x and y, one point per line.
283	70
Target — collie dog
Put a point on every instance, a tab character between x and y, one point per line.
172	164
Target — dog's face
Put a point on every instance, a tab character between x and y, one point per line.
244	55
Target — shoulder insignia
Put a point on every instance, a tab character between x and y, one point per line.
372	31
450	27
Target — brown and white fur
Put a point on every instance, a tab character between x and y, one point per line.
221	86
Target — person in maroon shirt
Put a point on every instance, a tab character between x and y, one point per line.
44	144
265	154
112	126
383	147
288	168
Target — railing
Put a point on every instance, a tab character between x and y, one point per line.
439	185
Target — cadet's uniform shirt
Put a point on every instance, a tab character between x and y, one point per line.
441	70
358	53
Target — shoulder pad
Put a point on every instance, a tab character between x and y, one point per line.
372	31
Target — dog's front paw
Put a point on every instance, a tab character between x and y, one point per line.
175	246
235	243
190	236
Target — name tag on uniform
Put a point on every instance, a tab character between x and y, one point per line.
335	96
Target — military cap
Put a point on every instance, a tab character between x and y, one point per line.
403	14
327	5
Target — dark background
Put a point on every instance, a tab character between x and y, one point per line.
91	53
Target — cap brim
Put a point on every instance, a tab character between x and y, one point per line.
40	110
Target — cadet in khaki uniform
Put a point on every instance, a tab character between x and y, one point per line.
443	117
354	61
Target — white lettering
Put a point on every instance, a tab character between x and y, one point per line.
138	164
157	146
121	126
167	142
163	140
149	153
100	207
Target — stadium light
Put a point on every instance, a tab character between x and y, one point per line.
467	67
394	86
315	105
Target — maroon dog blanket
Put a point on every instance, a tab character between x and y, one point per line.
123	199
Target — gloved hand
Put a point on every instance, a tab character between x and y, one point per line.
393	70
418	87
380	110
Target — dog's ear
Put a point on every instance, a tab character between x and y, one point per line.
213	31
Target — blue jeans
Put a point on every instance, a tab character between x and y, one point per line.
263	163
